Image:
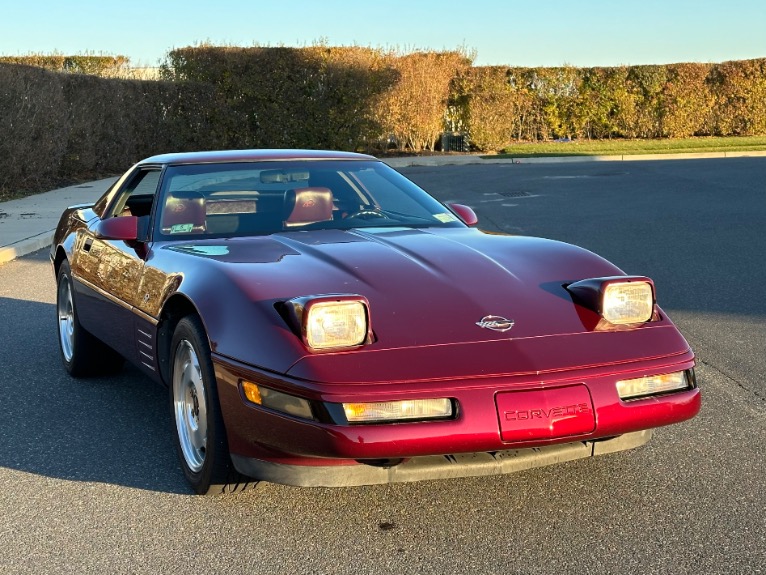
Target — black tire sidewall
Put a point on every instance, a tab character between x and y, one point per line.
216	468
74	366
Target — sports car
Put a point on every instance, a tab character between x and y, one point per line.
320	320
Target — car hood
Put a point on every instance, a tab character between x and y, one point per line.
428	289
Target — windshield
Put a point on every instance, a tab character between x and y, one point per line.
242	199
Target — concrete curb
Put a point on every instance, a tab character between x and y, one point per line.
25	246
28	224
408	162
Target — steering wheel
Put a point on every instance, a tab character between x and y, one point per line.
367	212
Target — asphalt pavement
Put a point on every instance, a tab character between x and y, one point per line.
92	482
27	224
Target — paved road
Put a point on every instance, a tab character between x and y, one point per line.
91	485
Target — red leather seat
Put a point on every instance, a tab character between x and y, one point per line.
184	213
308	206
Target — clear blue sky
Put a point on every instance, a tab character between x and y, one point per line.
521	33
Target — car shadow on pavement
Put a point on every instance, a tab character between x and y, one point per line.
115	430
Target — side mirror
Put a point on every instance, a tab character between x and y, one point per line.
121	228
464	213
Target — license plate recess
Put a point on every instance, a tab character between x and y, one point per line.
545	413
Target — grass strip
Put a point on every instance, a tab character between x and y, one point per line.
633	147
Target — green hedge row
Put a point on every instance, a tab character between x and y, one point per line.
104	66
56	126
356	97
322	97
502	104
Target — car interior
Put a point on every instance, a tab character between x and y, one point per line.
255	201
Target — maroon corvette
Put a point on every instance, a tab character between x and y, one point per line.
319	319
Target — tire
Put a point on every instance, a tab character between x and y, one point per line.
200	434
82	354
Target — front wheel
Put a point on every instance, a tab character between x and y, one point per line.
200	433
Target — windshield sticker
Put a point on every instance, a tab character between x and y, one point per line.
445	218
181	228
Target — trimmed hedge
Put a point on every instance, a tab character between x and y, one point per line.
413	109
33	117
505	104
56	126
288	97
104	66
739	89
321	97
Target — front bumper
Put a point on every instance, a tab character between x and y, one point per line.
274	446
434	466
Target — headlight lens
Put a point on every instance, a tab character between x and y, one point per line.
652	385
331	324
330	321
628	302
414	409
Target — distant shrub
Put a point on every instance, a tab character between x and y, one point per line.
603	102
687	101
413	108
56	127
739	91
33	118
494	110
91	64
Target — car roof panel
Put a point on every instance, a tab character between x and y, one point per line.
226	156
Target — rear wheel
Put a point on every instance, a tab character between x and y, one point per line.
81	353
200	433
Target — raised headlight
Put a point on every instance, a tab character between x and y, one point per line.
620	300
631	302
331	321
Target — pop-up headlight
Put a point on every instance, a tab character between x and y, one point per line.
620	300
331	321
627	302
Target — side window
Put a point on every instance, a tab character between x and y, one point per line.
137	198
